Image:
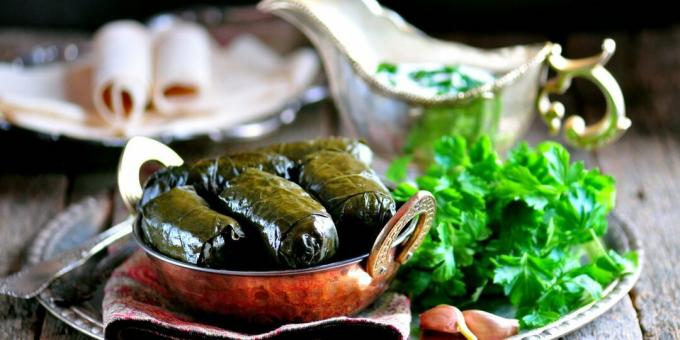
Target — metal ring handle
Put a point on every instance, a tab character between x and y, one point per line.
422	206
136	153
614	122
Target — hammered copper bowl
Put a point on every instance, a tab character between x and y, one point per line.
269	298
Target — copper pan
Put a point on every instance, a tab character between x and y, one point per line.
267	298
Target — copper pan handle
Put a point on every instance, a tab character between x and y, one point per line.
422	205
136	153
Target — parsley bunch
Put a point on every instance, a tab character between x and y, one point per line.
527	230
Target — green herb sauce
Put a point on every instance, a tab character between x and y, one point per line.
470	118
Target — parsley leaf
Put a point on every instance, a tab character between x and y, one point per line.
528	228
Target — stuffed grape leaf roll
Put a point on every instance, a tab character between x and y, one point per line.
180	224
297	151
162	181
353	194
296	229
211	175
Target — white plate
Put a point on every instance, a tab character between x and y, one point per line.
225	24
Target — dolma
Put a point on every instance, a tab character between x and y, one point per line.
180	224
209	176
353	194
162	181
297	151
296	229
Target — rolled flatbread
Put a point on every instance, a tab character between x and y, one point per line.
182	70
44	89
122	72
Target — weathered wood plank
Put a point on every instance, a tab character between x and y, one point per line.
620	322
91	184
26	203
648	193
55	329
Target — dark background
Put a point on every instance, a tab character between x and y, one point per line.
482	23
434	16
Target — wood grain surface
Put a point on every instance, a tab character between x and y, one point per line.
646	163
26	203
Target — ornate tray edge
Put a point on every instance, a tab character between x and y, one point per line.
71	315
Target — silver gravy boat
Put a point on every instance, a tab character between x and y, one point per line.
354	37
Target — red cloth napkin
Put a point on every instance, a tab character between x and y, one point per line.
136	305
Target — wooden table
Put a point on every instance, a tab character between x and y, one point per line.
646	163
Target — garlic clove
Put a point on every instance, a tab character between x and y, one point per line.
487	326
445	319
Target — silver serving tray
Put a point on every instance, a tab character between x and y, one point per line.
75	225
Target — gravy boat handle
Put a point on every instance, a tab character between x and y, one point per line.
614	121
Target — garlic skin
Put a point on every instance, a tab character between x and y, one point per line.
446	319
487	326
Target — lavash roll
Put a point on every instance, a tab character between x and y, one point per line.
182	69
122	72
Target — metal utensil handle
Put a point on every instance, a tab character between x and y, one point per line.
29	282
614	122
137	152
421	206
